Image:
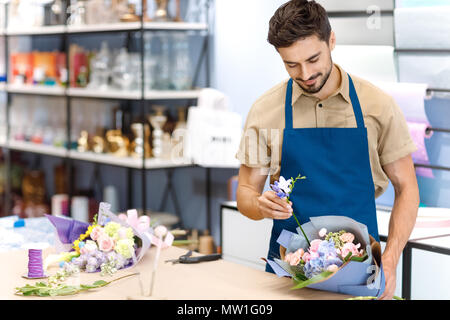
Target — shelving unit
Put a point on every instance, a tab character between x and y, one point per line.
142	95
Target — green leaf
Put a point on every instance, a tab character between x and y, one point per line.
299	277
347	257
358	259
317	278
100	283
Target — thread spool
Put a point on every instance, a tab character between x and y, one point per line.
59	204
206	243
35	265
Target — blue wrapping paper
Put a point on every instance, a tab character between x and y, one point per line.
353	278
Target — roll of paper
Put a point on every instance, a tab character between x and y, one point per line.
80	209
410	97
59	203
430	29
373	63
420	3
418	134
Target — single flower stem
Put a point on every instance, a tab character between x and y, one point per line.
300	226
287	199
128	275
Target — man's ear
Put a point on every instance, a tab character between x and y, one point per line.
332	42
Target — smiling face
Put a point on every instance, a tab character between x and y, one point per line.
308	62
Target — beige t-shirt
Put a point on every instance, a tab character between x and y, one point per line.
388	135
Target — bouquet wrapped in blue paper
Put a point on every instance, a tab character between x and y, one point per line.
342	258
331	253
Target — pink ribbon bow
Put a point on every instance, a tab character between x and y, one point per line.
141	223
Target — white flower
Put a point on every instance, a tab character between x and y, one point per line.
90	246
284	185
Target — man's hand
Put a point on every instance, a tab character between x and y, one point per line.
271	206
253	203
390	277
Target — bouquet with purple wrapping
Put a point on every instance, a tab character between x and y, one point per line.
342	258
111	243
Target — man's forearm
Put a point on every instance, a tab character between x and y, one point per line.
247	202
401	224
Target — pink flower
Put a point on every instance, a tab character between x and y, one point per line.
96	233
105	243
306	257
353	248
347	237
287	257
315	245
322	232
295	260
300	252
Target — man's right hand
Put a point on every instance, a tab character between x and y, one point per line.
273	207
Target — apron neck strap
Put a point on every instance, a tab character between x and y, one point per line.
353	97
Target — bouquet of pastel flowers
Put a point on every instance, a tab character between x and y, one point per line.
342	257
109	244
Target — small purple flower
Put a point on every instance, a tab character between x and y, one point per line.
282	187
91	268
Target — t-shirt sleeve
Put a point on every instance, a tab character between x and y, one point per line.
395	141
253	148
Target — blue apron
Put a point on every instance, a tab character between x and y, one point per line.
336	164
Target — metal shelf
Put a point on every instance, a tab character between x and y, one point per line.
127	162
154	163
37	148
36	89
186	26
106	94
105	27
171	94
59	29
67	32
102	94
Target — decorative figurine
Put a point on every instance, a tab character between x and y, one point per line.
117	143
136	146
161	11
157	120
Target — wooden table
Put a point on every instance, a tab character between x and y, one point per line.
215	280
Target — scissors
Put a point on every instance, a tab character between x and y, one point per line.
187	258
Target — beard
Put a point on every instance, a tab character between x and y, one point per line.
316	87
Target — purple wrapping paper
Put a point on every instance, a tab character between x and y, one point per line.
68	230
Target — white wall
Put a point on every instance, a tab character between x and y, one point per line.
244	64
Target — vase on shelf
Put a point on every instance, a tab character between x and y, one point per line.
157	120
161	13
137	145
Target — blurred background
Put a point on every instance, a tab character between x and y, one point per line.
141	104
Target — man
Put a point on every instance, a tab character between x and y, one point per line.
344	134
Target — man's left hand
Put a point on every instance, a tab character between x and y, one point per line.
390	270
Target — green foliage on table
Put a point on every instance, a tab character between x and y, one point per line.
43	289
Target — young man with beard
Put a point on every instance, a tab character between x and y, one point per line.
344	134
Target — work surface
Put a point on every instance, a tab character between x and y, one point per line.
215	280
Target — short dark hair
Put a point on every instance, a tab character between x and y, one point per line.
298	19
